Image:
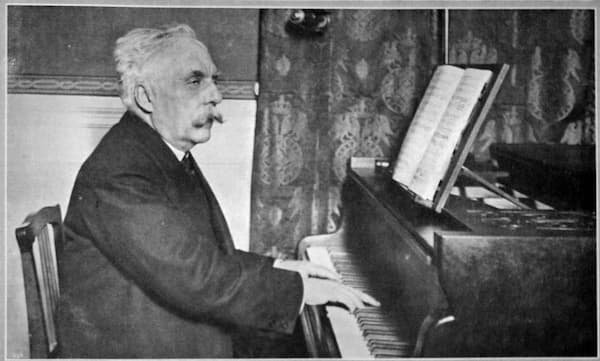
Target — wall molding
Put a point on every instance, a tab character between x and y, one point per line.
103	86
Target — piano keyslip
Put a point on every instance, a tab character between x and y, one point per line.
367	332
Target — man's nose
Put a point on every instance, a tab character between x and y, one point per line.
214	95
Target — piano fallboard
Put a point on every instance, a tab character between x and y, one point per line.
470	281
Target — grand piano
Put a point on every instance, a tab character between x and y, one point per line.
493	274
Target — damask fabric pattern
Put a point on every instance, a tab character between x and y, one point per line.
353	90
323	99
549	93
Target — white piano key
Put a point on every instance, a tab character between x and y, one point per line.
366	334
347	333
320	256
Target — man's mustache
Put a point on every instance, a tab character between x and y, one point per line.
215	116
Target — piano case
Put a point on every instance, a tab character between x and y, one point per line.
472	280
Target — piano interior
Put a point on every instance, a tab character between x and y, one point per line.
484	277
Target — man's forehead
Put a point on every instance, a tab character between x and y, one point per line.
189	56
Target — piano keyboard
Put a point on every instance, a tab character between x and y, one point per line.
367	332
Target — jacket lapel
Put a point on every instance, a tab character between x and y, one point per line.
217	218
178	178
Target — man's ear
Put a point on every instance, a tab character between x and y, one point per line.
143	98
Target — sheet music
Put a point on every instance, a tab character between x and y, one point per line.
425	121
438	152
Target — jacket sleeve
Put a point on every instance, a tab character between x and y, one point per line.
154	244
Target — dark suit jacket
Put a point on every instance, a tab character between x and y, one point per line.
149	268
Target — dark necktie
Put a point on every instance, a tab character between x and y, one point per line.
217	220
189	164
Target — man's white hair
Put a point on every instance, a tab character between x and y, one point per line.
136	48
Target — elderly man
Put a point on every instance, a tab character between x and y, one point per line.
149	268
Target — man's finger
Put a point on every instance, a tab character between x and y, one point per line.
345	299
316	270
351	298
363	299
366	299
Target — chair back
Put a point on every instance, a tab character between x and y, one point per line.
38	239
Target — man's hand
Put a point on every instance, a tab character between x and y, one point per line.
307	269
319	291
323	285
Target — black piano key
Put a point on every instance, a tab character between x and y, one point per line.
387	344
374	321
381	348
382	337
402	349
372	316
388	354
373	327
379	333
389	341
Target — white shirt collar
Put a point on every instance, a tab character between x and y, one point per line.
179	154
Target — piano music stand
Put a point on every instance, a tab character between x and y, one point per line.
476	120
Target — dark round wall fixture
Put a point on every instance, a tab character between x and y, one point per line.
307	22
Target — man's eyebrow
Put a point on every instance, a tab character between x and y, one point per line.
201	74
197	74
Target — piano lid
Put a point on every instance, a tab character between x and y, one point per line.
561	175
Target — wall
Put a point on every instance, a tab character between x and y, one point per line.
78	40
548	95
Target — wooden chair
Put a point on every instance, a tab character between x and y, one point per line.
38	239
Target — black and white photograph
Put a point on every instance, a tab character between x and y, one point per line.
300	179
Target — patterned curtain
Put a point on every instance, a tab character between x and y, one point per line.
549	94
351	91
